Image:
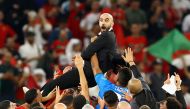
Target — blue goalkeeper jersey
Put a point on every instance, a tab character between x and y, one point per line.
104	85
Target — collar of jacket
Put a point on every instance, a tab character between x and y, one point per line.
111	29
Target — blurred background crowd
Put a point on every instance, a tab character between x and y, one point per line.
39	37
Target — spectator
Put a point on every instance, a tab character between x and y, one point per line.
8	58
157	79
12	47
73	47
16	18
74	19
33	96
172	102
139	89
105	3
111	99
181	7
31	51
6	31
156	24
51	10
78	102
135	15
67	6
59	45
68	101
171	16
39	26
58	32
40	77
9	81
7	105
89	20
185	88
137	42
186	24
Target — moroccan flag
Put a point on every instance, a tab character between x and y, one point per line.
171	47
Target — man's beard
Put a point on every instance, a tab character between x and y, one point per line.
105	28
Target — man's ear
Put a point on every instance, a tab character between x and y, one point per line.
112	24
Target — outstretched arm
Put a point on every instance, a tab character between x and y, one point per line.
95	65
79	63
128	57
179	94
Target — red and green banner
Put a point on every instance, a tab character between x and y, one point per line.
171	47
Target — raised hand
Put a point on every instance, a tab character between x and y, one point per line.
79	62
58	95
167	81
101	103
128	56
51	94
178	81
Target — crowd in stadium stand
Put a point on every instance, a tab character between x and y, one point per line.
39	38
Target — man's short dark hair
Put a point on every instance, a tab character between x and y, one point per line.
67	100
124	76
5	104
110	98
30	95
79	101
173	103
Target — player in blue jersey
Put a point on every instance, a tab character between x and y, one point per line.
120	88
